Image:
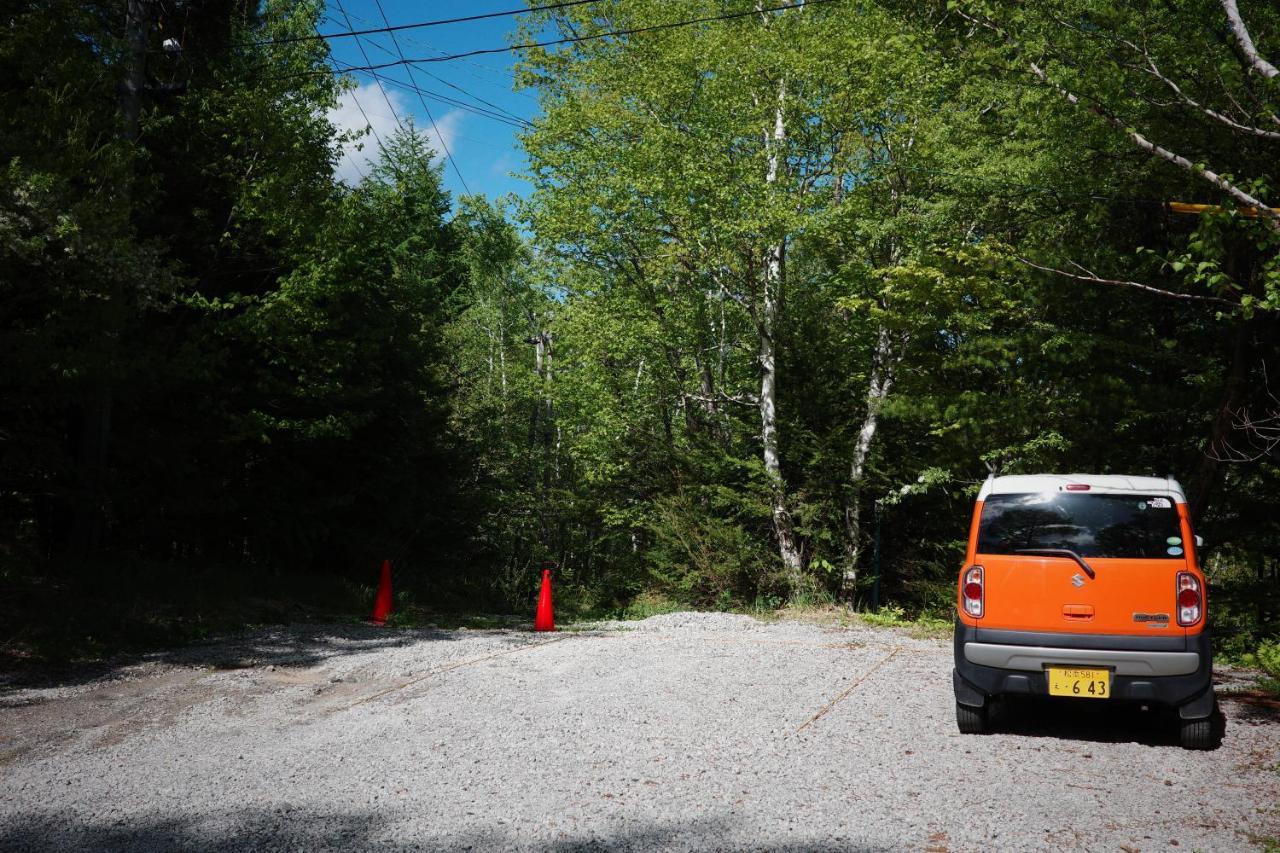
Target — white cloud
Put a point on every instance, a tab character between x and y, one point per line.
503	165
448	124
358	155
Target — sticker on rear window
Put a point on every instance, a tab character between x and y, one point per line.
1175	551
1160	503
1174	540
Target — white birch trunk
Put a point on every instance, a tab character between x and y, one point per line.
879	384
774	272
502	360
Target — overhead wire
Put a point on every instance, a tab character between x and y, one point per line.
372	129
355	99
495	77
513	117
424	24
436	96
521	120
365	54
445	99
581	38
440	136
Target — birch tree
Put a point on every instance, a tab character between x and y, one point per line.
691	205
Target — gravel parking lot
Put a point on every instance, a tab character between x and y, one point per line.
685	731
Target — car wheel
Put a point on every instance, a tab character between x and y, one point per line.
1197	734
972	721
1203	732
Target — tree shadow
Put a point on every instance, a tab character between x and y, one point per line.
301	645
1257	707
301	829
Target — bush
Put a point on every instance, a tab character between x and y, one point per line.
702	558
1266	658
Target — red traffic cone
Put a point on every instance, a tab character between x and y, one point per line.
545	620
382	602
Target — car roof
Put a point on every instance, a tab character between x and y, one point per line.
1021	484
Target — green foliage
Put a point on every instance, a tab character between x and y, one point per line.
1267	658
216	354
923	624
648	604
700	554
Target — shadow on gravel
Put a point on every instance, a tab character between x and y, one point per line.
1256	706
1040	716
284	646
295	829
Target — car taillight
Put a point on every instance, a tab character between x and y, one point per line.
971	592
1190	600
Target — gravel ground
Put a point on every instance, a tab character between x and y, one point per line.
684	731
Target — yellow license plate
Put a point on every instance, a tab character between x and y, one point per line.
1080	683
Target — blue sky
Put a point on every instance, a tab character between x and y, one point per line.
485	150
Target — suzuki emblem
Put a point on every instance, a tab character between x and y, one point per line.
1077	581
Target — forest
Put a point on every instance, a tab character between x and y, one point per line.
791	280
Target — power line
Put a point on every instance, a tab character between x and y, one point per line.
440	136
365	54
519	124
423	24
575	39
496	112
368	124
493	75
521	120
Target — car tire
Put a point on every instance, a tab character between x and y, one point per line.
1205	733
1197	734
971	721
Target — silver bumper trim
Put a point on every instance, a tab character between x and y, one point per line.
1035	658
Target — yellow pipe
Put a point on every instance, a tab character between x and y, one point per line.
1197	209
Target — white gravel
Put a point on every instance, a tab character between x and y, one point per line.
684	731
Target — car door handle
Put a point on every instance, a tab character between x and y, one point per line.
1077	611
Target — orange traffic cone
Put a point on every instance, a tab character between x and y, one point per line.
545	620
382	602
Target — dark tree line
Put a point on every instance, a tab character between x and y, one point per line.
794	284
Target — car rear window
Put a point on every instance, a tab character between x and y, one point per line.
1092	525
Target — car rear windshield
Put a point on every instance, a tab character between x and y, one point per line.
1092	525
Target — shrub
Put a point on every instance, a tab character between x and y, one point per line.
703	558
1266	658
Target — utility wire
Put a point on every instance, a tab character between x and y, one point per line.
423	24
381	89
576	39
440	136
520	124
521	120
495	112
496	77
369	125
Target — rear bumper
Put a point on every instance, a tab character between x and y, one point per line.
1036	658
1174	671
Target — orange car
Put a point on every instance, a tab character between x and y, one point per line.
1084	587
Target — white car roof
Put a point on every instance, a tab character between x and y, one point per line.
1021	484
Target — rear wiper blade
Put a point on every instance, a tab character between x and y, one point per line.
1059	552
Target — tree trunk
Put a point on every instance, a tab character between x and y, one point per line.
766	323
1234	393
879	384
